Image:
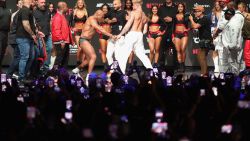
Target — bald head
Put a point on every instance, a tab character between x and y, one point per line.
41	4
99	15
99	12
62	6
117	4
27	3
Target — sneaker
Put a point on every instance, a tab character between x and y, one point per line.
76	70
87	80
15	76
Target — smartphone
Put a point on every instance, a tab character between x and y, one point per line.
155	70
202	92
215	91
222	76
4	87
169	81
31	112
243	104
99	83
68	104
68	115
125	79
3	78
159	127
108	87
227	128
9	80
163	75
159	114
79	83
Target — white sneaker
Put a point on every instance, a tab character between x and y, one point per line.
52	62
76	70
15	76
87	80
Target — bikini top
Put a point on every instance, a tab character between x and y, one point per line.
77	19
159	22
184	21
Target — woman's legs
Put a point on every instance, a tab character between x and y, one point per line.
103	48
151	43
202	58
216	61
184	41
157	48
178	50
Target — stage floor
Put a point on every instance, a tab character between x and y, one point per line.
99	69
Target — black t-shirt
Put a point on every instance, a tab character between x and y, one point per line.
169	11
205	29
121	21
43	20
24	14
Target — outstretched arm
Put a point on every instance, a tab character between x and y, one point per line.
99	28
128	24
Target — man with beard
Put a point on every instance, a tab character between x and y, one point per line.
42	17
25	38
117	21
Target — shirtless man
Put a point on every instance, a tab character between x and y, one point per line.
134	39
88	31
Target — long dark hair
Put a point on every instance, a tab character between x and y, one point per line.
131	8
105	4
184	7
151	13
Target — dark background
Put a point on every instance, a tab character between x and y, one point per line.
92	6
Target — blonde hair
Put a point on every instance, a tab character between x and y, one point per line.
84	7
137	1
214	8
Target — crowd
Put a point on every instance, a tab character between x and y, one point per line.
224	30
59	106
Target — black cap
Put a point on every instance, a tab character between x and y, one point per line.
229	12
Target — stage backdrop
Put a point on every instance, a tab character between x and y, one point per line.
92	6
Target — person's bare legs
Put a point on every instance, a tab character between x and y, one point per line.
215	57
184	41
90	54
178	49
157	48
203	61
103	48
131	58
151	44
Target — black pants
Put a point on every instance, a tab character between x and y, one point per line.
62	55
166	45
3	46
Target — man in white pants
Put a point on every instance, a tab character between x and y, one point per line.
218	63
134	39
117	21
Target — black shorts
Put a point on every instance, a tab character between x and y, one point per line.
105	37
82	39
78	32
180	35
153	35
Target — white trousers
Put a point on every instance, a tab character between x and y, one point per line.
111	47
133	41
